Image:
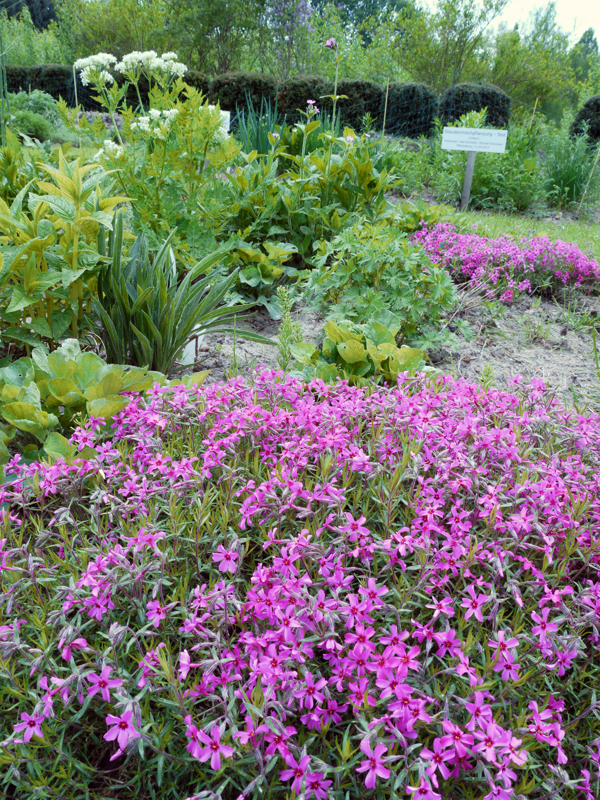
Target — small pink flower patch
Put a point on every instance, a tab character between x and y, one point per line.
123	731
102	683
31	725
225	559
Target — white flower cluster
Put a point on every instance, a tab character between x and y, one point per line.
166	64
110	149
157	123
94	68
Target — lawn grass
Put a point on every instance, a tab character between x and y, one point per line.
585	234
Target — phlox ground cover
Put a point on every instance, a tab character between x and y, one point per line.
267	588
505	266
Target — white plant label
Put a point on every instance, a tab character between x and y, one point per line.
474	140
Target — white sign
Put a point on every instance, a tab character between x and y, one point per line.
474	140
225	117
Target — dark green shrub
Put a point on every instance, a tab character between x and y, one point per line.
466	97
362	97
198	80
293	94
588	113
232	89
411	109
32	124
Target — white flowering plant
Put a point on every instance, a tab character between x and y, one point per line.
168	146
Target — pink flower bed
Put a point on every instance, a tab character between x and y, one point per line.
507	266
264	587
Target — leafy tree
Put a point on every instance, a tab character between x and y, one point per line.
583	53
114	26
212	35
436	46
42	12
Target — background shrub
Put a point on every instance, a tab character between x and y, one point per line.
411	110
588	113
466	97
362	97
232	89
32	124
293	94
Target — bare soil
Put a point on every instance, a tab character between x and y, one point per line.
531	338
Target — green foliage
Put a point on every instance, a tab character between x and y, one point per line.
43	397
29	77
253	127
359	353
289	333
238	89
368	268
567	169
16	171
412	108
258	270
293	93
49	257
34	125
148	317
414	214
309	202
587	120
28	45
161	163
465	97
37	101
510	181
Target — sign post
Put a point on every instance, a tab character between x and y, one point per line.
473	140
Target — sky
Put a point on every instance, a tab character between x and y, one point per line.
573	16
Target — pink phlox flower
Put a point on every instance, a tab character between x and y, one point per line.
361	638
438	758
31	724
77	644
355	527
225	559
456	737
481	714
448	642
493	736
505	774
374	765
311	691
102	683
185	664
155	612
297	771
213	749
502	644
507	666
474	604
423	791
251	732
123	729
543	627
498	793
443	606
317	785
373	592
393	640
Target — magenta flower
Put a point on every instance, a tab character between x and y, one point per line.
32	726
437	758
474	604
374	765
423	791
331	43
214	749
77	644
226	559
155	612
102	683
123	730
297	771
316	783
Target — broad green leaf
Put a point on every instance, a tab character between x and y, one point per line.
107	407
352	351
63	208
26	417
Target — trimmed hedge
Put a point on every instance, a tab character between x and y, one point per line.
233	89
293	94
590	113
473	97
412	107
